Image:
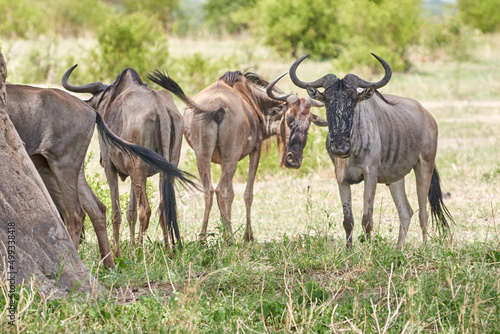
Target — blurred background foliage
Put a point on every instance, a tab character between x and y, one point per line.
131	33
196	41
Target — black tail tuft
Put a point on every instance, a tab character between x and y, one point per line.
170	211
168	83
439	212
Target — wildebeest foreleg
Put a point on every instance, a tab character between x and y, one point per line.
345	197
97	214
368	199
248	196
116	217
405	211
132	214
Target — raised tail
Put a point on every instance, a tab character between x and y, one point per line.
439	212
159	162
169	84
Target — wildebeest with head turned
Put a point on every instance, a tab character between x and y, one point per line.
228	121
379	139
144	117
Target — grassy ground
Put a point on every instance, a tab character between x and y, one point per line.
298	276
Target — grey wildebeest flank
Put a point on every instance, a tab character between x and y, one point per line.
228	121
56	128
379	138
144	117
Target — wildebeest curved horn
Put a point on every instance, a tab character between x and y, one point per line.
324	81
288	98
388	73
314	103
92	88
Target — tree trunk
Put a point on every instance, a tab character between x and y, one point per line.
33	238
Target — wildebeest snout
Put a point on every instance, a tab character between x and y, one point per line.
293	160
339	146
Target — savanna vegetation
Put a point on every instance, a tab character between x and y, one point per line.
297	276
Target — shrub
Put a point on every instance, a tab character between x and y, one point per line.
134	40
160	9
349	30
26	18
483	15
20	18
195	72
221	15
448	38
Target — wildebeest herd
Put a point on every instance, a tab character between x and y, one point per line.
372	137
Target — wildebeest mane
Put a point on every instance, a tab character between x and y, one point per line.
101	93
117	86
256	79
382	97
231	77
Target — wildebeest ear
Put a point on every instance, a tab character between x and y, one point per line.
318	120
316	94
366	93
277	111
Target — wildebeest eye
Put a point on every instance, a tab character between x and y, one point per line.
276	111
290	119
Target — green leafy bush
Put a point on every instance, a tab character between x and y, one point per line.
349	30
296	26
26	18
20	18
160	9
448	38
134	40
483	15
195	72
221	15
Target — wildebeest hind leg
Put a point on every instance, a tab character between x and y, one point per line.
203	151
132	214
138	181
423	176
97	214
112	178
73	214
405	211
225	196
248	196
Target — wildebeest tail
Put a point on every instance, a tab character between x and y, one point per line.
148	156
169	84
170	211
439	212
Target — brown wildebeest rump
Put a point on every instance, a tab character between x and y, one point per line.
227	121
147	118
56	129
34	242
379	139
